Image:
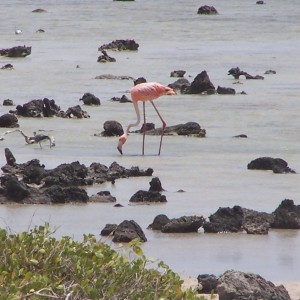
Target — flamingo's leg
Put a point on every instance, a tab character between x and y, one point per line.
144	128
163	126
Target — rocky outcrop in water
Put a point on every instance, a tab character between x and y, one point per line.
277	165
90	99
128	231
236	73
207	10
201	84
287	215
111	128
123	99
226	219
147	196
183	224
120	45
237	219
30	182
8	102
103	197
9	121
7	67
18	51
187	129
47	108
225	91
155	185
255	222
75	112
38	108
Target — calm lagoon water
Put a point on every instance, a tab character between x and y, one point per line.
212	170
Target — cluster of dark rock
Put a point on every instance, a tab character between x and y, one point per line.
236	219
18	51
186	129
31	183
236	73
114	128
120	45
236	285
117	45
224	220
90	99
200	85
203	85
45	108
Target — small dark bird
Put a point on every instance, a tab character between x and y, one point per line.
38	138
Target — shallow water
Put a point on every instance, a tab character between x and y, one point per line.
213	170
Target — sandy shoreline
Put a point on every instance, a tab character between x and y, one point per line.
293	287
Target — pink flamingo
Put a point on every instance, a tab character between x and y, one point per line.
146	91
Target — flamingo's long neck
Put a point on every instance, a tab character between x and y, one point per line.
138	117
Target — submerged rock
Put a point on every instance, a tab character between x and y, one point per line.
147	196
187	129
103	197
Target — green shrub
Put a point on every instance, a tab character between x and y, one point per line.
35	265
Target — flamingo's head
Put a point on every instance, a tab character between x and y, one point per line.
122	141
169	91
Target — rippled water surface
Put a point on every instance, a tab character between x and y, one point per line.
212	170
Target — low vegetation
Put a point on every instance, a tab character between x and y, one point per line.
36	265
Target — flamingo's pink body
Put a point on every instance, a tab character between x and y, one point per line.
143	92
